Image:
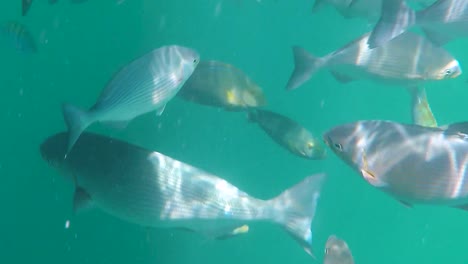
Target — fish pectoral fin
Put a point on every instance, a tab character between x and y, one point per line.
81	200
342	78
116	124
160	110
370	177
232	233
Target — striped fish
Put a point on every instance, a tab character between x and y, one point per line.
150	189
19	35
144	85
414	164
409	59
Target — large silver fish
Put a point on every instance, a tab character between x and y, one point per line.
442	22
368	9
409	59
219	84
337	252
146	84
289	134
414	164
150	189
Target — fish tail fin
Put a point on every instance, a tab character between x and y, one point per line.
76	120
295	209
422	113
395	19
25	5
305	64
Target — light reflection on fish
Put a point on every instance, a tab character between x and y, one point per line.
414	164
219	84
442	22
146	84
407	60
337	252
19	35
289	134
150	189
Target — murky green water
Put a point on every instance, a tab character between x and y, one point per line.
81	46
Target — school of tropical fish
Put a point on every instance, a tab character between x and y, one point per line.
418	163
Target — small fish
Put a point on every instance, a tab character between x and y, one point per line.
441	22
150	189
219	84
337	252
422	113
144	85
26	4
19	35
289	134
409	59
368	9
412	163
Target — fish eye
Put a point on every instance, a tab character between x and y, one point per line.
310	145
195	60
338	146
326	251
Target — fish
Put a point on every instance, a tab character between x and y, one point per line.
411	163
421	110
407	60
26	4
19	35
146	84
148	188
337	251
441	22
288	133
218	84
367	9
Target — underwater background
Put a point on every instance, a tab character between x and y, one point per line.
81	46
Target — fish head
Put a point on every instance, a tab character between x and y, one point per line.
449	69
308	146
253	96
190	60
53	150
337	252
346	142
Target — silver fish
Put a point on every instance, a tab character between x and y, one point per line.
441	22
368	9
407	60
421	110
219	84
150	189
414	164
146	84
289	134
337	252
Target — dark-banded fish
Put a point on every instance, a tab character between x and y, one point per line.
150	189
144	85
442	22
337	252
414	164
289	134
407	60
19	35
219	84
421	110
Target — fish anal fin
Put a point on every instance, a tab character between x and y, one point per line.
160	111
81	200
406	204
342	78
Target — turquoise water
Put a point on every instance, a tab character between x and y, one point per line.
81	46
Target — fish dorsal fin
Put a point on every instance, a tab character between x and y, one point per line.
81	200
457	129
160	110
438	38
342	78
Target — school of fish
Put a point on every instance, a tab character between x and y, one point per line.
418	163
